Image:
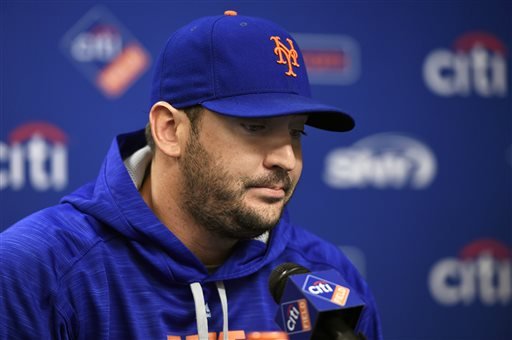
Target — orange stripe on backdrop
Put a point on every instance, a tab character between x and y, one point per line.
123	70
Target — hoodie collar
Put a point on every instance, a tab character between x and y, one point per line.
116	202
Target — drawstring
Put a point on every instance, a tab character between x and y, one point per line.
202	321
224	303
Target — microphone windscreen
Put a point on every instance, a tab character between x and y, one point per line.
278	277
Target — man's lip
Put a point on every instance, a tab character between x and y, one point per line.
274	191
271	187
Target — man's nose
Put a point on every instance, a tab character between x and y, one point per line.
281	154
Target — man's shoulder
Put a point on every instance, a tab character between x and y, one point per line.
56	236
312	245
317	254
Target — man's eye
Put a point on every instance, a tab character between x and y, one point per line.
253	127
298	133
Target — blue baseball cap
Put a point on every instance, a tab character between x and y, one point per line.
242	67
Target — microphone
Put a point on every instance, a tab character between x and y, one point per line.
317	305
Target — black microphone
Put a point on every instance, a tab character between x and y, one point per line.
316	305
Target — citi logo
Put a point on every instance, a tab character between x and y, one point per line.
326	290
102	44
481	273
320	287
476	64
386	160
296	316
35	156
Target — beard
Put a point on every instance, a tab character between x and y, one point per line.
214	197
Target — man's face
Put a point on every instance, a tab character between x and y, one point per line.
238	174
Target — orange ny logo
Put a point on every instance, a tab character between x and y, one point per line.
286	55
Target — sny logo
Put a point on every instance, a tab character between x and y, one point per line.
326	290
290	54
386	160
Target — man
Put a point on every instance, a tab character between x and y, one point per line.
181	230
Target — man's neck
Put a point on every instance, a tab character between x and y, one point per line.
211	250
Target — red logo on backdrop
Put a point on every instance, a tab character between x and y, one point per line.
476	64
35	156
105	51
331	59
482	272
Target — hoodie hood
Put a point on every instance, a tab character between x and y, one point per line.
105	267
115	202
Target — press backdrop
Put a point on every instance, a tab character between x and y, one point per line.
419	194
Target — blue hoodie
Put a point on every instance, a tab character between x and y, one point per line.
100	265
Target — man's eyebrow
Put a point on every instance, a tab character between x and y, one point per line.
301	118
253	119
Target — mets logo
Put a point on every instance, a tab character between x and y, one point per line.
287	55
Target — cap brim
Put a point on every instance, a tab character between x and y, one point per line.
262	105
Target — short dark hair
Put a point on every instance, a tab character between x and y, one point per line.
193	113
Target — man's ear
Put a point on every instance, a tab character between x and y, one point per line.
167	128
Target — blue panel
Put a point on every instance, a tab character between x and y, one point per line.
419	194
